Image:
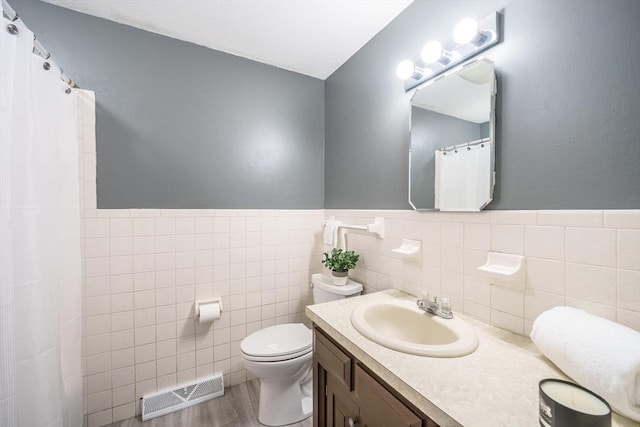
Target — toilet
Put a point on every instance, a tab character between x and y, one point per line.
280	356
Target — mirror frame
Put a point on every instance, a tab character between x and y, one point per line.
492	133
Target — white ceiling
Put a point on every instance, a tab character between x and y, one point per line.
312	37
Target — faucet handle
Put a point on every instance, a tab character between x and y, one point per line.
444	305
424	296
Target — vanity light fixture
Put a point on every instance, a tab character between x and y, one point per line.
470	37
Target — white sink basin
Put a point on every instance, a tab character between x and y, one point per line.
401	326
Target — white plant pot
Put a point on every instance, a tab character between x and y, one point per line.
340	277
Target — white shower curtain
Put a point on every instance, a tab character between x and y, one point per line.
40	266
464	179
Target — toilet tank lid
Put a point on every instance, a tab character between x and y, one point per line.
278	340
326	284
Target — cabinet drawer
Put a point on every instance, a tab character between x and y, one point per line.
332	359
380	408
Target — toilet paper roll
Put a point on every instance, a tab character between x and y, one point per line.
209	313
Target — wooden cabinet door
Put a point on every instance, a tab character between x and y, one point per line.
342	408
380	408
345	395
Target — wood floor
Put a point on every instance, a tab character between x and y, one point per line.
238	407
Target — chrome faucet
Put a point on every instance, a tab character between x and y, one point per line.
438	306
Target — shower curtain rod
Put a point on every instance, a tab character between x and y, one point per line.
465	144
38	49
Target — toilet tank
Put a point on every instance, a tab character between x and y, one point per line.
324	290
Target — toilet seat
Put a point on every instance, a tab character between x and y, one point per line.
277	343
281	358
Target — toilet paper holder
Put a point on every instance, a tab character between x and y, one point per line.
217	300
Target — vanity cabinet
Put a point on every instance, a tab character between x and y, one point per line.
346	395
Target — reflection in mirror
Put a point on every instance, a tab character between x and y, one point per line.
451	159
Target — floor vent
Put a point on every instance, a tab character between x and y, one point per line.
165	402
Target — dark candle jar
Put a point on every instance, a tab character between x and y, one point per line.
565	404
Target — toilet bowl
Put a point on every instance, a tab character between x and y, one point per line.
280	356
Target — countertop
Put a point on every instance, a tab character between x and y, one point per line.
497	385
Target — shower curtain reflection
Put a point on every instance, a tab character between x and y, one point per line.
463	179
40	267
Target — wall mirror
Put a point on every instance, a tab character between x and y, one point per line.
452	152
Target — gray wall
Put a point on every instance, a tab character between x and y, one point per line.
568	108
182	126
431	131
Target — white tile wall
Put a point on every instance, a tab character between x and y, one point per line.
143	275
143	269
587	259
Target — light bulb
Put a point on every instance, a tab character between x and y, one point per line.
431	52
465	31
405	69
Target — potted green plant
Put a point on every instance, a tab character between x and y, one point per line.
340	262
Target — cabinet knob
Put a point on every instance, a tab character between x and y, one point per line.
353	422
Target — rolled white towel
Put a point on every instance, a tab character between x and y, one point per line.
597	353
